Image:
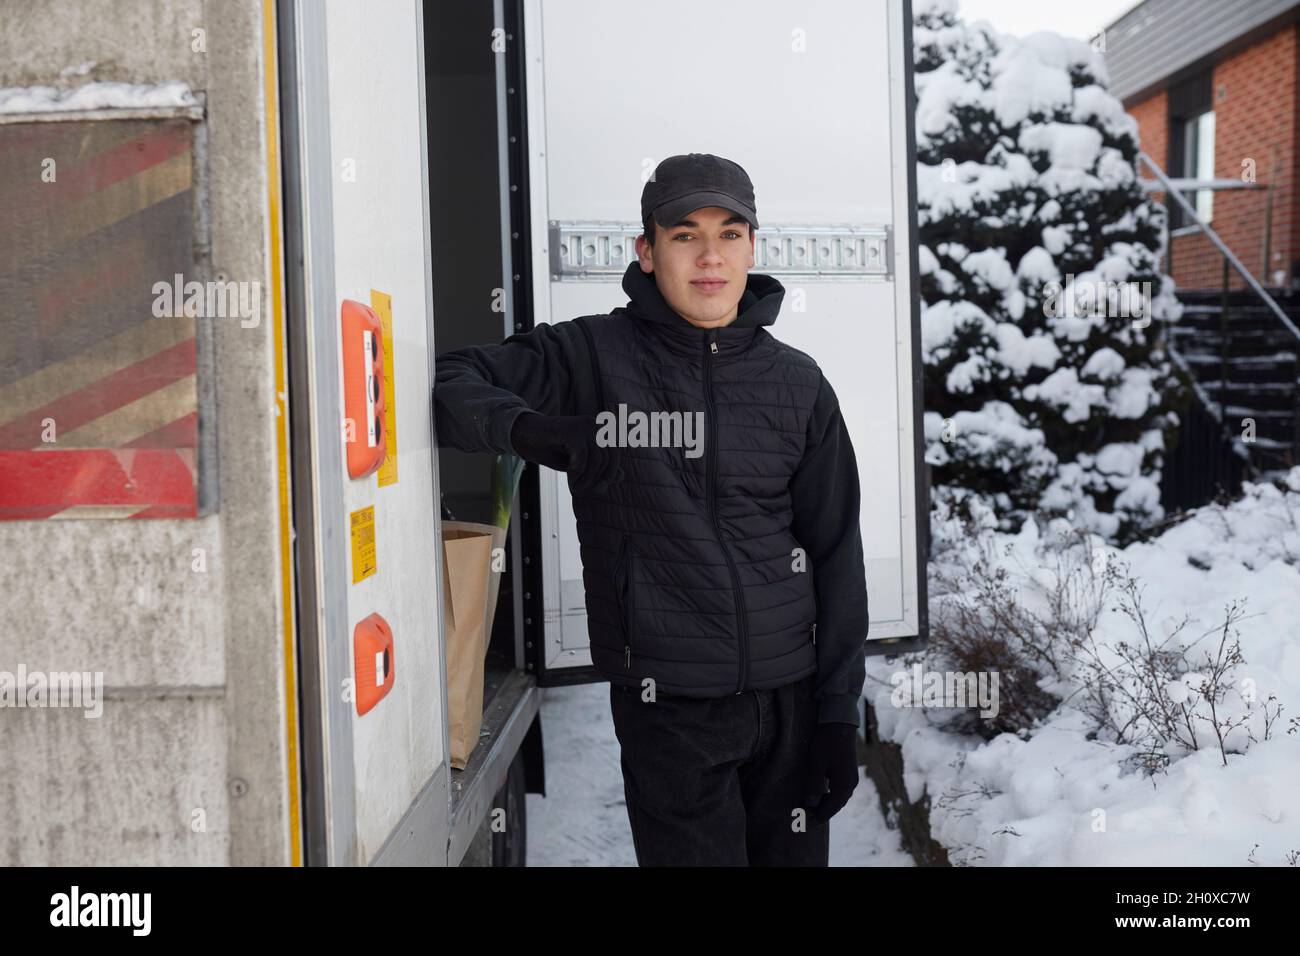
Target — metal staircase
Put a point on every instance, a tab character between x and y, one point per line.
1248	367
1241	350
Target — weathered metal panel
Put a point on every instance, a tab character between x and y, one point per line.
99	398
184	618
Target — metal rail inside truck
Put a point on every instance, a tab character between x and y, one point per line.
269	628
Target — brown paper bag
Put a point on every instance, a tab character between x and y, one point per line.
469	587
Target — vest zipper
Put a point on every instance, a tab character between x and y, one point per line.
629	565
711	349
622	583
814	633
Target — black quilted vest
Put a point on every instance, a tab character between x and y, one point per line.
691	573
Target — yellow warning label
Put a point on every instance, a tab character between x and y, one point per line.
382	303
363	544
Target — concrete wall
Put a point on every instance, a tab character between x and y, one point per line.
196	693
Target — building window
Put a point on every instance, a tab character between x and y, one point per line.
1198	161
1191	144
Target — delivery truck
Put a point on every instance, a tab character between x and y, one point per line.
239	234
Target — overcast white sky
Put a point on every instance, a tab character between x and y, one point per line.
1076	18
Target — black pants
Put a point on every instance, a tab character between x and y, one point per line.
718	781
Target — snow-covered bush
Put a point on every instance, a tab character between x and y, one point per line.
1046	390
979	624
1164	695
1169	668
1030	610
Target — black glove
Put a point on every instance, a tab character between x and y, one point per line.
833	757
566	443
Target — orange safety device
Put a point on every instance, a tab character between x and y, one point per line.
372	646
363	389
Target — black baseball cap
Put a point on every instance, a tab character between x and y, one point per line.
693	180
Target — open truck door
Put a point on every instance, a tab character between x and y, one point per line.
379	782
604	93
376	781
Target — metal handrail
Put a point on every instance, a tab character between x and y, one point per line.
1191	184
1198	389
1227	253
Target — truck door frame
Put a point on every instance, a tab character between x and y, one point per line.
328	792
526	526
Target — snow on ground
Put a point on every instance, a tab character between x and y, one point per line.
582	820
1052	796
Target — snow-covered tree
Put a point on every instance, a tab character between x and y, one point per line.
1046	389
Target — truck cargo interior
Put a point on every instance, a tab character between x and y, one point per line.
466	266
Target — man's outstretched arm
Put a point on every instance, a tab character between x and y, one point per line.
826	499
480	390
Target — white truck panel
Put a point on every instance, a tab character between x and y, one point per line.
625	88
810	99
379	229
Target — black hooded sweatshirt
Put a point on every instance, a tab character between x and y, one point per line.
479	391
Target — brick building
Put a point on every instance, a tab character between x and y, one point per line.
1215	88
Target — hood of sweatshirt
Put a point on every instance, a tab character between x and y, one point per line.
759	306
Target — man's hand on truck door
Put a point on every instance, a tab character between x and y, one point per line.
567	443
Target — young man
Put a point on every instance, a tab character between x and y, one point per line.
722	561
